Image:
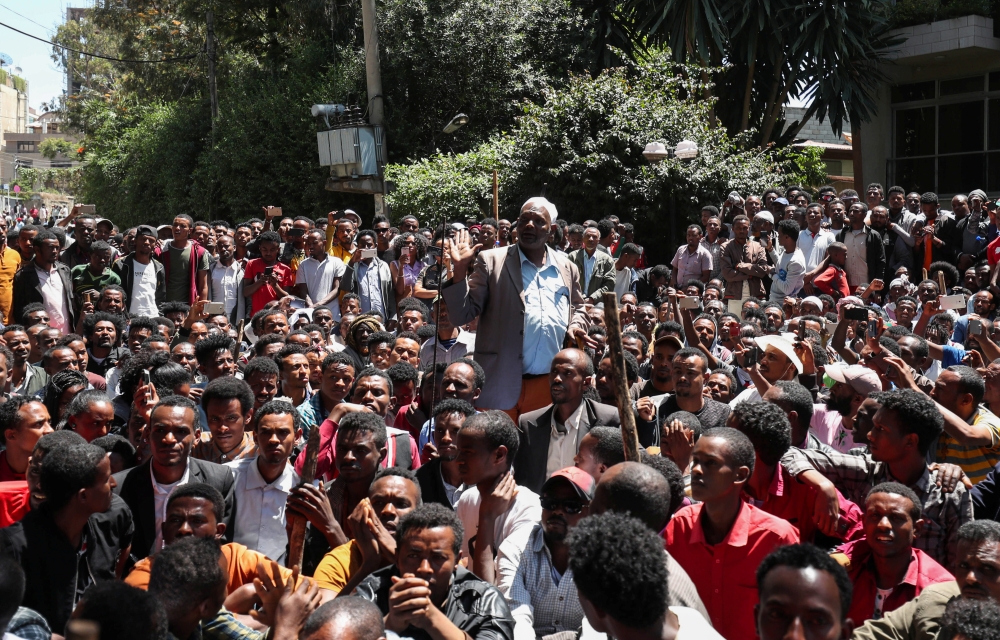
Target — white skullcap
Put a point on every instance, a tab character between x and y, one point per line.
764	215
543	203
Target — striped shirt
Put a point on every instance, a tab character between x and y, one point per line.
976	462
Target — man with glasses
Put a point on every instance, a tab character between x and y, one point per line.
10	260
528	566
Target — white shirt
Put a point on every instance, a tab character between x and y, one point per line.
857	256
142	300
814	248
260	519
789	275
161	493
54	298
563	446
525	511
318	278
226	286
623	281
691	626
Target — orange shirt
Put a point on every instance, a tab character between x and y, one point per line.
10	260
242	565
725	574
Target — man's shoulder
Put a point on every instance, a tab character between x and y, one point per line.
129	476
763	524
604	412
533	417
212	472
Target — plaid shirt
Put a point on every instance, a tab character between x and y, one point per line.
526	579
223	627
854	476
205	449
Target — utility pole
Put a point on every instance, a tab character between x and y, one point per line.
374	79
213	93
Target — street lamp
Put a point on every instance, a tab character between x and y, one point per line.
657	151
456	123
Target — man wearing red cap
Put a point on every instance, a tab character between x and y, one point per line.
533	571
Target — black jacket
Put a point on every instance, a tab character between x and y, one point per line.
432	484
51	564
27	289
874	249
125	269
535	429
135	486
986	496
473	605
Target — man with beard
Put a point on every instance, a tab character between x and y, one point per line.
983	305
833	423
84	228
393	494
661	380
46	280
527	566
978	551
689	370
550	436
440	480
102	331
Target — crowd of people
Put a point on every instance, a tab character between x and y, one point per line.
818	456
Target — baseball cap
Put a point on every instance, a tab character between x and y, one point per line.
784	345
582	482
145	230
669	339
862	379
781	201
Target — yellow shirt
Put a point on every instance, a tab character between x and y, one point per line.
976	462
334	249
242	566
338	565
10	260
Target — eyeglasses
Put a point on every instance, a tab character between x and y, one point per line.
381	231
571	507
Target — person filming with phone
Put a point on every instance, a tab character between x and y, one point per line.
370	278
266	279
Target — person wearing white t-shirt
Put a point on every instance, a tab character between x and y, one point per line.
318	276
814	240
494	507
141	276
790	266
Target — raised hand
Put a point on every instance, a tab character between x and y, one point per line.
462	253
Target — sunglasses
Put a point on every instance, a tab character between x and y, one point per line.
826	197
570	507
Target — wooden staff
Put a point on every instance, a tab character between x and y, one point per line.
940	279
630	436
297	541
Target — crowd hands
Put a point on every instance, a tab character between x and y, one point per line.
818	454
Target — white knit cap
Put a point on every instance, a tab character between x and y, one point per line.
543	203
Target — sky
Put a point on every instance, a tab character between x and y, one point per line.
40	18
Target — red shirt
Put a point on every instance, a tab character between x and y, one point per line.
6	473
923	572
833	282
284	274
325	467
726	574
793	501
993	252
14	502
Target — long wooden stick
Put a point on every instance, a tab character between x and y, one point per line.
630	436
297	540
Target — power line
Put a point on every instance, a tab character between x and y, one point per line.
49	29
97	55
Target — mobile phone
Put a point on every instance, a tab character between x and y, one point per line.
146	381
368	253
751	358
953	302
734	329
975	328
273	212
802	329
215	308
295	233
268	271
856	313
687	303
872	328
88	208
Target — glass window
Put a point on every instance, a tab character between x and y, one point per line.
960	174
961	85
834	168
915	132
916	175
994	142
960	127
995	81
993	172
914	91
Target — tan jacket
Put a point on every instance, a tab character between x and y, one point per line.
918	619
732	255
493	292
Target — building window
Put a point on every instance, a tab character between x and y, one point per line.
946	134
26	146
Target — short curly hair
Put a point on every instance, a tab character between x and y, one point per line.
900	490
669	470
618	564
67	470
123	611
609	449
639	490
767	427
186	573
103	316
917	414
971	619
806	556
431	516
277	408
740	448
499	429
365	422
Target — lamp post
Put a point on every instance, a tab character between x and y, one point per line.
655	153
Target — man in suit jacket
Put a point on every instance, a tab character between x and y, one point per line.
146	488
439	478
44	279
550	437
528	300
856	234
375	273
597	269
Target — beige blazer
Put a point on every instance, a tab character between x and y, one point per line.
493	292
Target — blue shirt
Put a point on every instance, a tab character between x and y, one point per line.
370	287
546	313
589	262
951	356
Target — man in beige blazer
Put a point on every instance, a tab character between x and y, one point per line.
528	300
